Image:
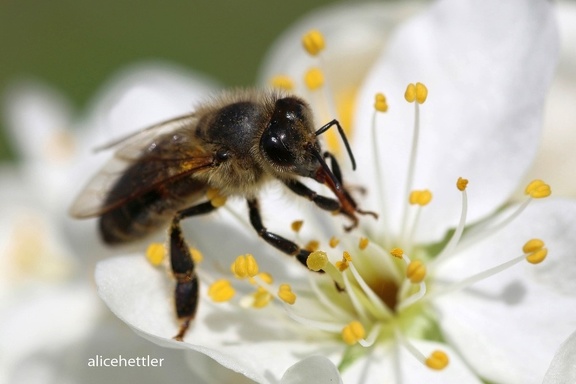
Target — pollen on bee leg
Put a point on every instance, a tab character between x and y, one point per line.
155	253
216	199
221	291
353	332
286	295
244	266
437	360
313	42
314	79
282	82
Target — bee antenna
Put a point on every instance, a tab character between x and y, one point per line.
342	135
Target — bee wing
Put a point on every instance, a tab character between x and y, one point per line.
155	156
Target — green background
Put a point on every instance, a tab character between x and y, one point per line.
74	45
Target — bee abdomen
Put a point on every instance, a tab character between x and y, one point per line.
133	220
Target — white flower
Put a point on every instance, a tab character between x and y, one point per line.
487	66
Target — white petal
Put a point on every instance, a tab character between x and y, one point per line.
509	325
563	366
253	343
487	78
314	369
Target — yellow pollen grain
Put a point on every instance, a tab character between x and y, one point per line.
380	103
437	360
261	298
221	291
197	256
420	198
297	225
282	82
397	252
313	42
317	260
538	189
285	294
353	332
416	271
313	245
334	241
416	92
363	243
461	184
244	266
314	79
155	253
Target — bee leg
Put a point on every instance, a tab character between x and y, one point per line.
183	269
338	174
323	202
277	241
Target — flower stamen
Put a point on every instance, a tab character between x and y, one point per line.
313	42
353	332
155	254
221	291
283	82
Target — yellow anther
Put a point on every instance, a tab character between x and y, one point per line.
461	184
334	241
297	225
196	255
538	189
317	260
221	291
417	93
313	245
314	79
345	262
261	298
266	277
533	245
420	198
353	332
363	243
216	199
155	253
286	295
282	82
313	42
397	252
244	266
380	103
537	257
416	271
437	360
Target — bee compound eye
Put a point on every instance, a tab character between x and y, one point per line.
273	144
222	155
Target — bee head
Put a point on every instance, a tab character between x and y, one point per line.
289	142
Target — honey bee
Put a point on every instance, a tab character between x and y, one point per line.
233	144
